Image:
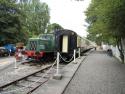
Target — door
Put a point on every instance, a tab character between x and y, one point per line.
65	44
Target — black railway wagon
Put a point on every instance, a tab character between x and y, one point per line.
65	42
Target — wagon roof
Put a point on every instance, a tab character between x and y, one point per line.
65	31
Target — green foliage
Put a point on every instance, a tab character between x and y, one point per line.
106	18
36	16
53	27
21	19
10	26
107	21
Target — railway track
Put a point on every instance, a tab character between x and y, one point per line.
29	83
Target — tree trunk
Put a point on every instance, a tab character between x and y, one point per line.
120	48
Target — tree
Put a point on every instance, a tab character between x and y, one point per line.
53	27
107	19
20	19
10	25
36	16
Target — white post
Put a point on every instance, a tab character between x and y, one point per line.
79	53
57	66
74	56
57	76
15	64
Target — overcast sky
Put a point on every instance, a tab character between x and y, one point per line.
69	14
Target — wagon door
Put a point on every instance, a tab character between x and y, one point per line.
65	44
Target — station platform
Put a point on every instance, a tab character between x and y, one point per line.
54	86
96	73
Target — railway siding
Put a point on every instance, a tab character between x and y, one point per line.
25	84
20	73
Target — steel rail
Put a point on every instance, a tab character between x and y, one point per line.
22	78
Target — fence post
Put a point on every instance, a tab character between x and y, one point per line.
74	56
57	76
15	64
79	53
57	66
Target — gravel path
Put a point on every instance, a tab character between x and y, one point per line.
98	74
